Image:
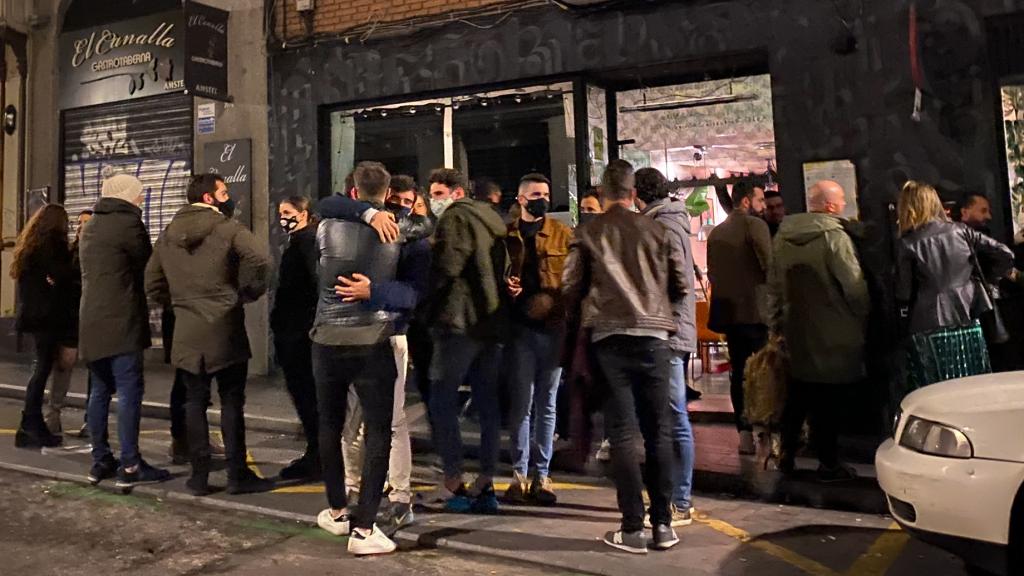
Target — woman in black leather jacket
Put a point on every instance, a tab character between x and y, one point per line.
943	271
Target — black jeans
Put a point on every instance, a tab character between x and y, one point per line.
634	372
821	404
231	387
295	356
46	344
421	350
372	370
744	340
179	399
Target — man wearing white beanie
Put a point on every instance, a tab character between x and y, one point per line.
114	328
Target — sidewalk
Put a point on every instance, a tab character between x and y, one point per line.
729	535
718	469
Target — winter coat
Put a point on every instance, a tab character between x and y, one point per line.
674	216
113	251
207	266
624	273
43	307
819	299
467	277
936	274
739	258
296	294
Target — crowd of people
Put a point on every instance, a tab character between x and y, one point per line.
382	276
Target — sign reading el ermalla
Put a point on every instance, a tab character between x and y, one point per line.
156	54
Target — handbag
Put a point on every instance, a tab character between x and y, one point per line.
991	320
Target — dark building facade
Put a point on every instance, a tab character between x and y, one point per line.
842	87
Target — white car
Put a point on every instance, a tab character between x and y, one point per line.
954	470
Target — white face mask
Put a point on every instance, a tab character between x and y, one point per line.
438	206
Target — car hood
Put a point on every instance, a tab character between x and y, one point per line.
989	409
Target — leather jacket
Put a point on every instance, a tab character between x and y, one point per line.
937	286
624	273
346	248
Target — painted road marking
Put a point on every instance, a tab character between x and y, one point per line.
786	555
882	554
7	432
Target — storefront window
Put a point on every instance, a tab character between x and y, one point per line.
1013	121
495	136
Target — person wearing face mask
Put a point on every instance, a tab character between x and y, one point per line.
537	248
291	320
590	206
207	267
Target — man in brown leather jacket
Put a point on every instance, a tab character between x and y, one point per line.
739	258
537	247
623	276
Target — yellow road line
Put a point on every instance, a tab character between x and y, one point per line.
883	552
7	432
788	556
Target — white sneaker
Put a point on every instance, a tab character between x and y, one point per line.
375	543
337	527
604	453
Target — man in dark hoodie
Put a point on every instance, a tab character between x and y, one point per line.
114	327
653	201
467	306
207	266
819	302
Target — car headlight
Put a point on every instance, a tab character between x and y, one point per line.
937	439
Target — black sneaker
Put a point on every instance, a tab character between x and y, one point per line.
664	537
305	469
143	474
198	485
104	469
249	483
692	394
632	542
394	516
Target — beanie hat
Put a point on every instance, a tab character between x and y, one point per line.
122	187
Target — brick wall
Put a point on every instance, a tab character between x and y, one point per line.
332	16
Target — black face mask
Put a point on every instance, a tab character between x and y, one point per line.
538	207
587	217
398	210
226	208
289	224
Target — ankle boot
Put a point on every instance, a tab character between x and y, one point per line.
33	434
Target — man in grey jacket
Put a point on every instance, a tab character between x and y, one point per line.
652	200
207	266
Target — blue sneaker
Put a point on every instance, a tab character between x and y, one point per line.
486	502
459	502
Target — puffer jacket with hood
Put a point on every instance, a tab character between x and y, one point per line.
206	266
467	278
673	215
819	299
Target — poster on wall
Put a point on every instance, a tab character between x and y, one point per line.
232	159
842	171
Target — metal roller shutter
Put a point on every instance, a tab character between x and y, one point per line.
149	138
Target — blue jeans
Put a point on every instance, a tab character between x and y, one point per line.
535	378
682	432
454	355
122	375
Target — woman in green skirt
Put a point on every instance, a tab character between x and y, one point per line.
943	269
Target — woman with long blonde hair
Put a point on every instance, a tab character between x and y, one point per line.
44	274
943	268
